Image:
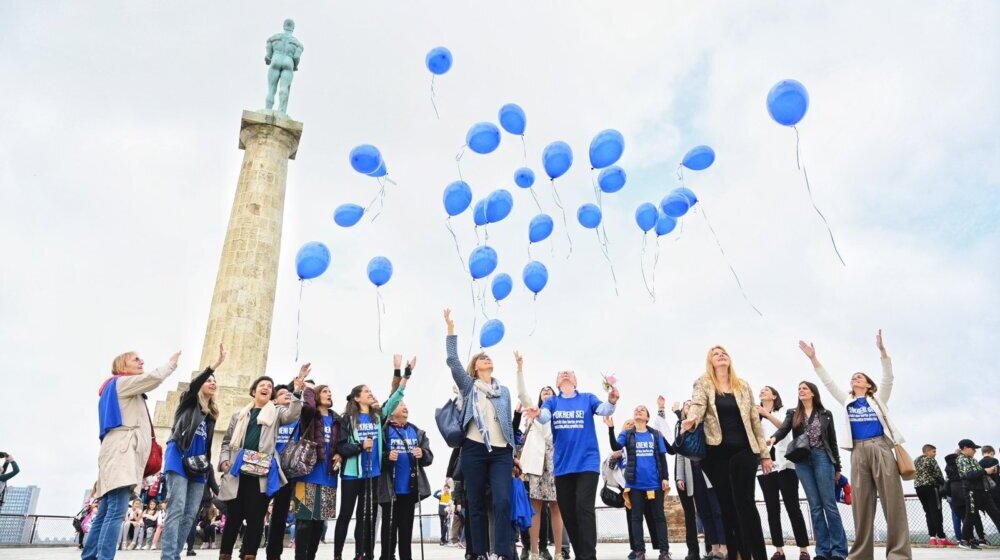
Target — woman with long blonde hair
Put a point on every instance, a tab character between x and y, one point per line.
735	449
188	458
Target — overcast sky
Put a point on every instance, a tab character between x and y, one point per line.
120	161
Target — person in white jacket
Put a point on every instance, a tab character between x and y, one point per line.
536	463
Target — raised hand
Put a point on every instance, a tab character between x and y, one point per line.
174	358
412	364
661	402
676	406
609	421
221	358
808	349
613	395
449	322
397	361
879	344
518	360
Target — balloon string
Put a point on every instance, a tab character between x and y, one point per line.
731	269
534	309
805	175
458	249
478	242
529	252
433	104
656	260
482	302
298	320
642	267
524	148
680	233
380	198
607	256
535	196
600	205
379	310
555	197
458	161
680	173
472	292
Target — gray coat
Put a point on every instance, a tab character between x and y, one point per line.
125	449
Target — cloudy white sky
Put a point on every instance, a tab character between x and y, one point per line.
120	160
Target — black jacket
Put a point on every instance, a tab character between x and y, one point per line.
953	482
630	463
189	416
827	430
386	480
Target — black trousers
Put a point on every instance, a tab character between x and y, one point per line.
978	500
783	486
397	526
641	505
575	494
731	471
443	516
280	505
357	498
930	500
654	539
250	505
307	536
690	524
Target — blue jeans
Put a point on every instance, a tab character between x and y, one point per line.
482	468
102	540
182	508
816	475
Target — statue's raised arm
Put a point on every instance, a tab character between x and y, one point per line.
282	55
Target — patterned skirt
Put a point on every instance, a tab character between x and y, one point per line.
314	502
543	487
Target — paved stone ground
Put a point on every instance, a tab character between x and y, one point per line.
434	552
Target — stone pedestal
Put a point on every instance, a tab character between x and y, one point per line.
243	302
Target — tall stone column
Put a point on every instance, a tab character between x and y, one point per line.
243	302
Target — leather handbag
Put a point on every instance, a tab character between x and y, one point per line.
256	463
904	462
299	456
155	460
196	465
449	423
799	450
692	444
611	497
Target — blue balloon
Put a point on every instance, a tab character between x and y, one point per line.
438	60
380	171
675	204
698	158
346	215
606	148
646	215
501	286
512	119
540	228
482	262
366	159
611	179
688	193
498	205
312	260
491	333
479	213
557	159
589	215
483	138
524	178
665	224
535	276
787	102
457	197
379	270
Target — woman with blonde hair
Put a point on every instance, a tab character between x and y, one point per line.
487	456
874	471
126	434
188	458
735	449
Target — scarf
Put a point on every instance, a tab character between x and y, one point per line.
109	410
268	416
491	391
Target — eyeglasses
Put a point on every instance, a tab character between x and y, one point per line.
567	371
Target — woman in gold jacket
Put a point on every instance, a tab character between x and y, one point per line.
736	446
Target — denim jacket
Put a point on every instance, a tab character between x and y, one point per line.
466	385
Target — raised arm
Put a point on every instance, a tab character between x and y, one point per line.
522	388
458	372
132	385
810	351
885	388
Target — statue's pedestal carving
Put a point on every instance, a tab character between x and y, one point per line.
243	302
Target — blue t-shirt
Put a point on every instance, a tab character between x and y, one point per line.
403	440
321	472
864	422
647	475
173	459
367	428
573	435
284	435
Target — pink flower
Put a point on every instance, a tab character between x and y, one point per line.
612	380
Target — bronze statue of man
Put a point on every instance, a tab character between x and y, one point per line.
282	57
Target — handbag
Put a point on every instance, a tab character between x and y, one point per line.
904	462
799	450
256	463
155	460
611	497
299	457
449	423
196	465
692	444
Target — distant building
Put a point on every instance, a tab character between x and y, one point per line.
19	503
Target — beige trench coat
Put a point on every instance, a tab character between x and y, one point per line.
125	449
229	485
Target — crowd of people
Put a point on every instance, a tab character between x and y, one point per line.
288	455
